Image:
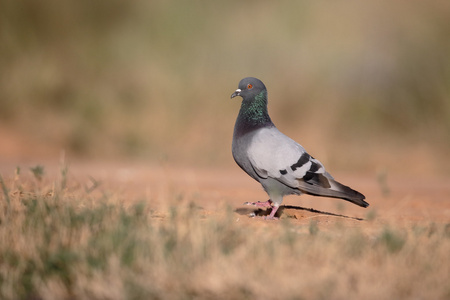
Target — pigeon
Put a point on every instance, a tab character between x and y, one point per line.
278	163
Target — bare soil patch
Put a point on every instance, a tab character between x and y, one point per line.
399	200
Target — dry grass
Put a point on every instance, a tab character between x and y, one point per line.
64	240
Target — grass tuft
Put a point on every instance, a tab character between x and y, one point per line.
4	190
80	244
38	172
313	227
392	240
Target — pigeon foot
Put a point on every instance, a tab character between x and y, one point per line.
268	203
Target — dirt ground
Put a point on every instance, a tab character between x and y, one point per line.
398	200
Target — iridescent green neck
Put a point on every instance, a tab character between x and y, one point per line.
253	114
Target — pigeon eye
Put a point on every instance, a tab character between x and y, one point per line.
249	86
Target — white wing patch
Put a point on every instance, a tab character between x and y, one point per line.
275	155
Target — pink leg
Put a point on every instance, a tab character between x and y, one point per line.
272	214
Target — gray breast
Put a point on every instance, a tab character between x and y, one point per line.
240	154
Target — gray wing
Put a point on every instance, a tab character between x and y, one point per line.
273	154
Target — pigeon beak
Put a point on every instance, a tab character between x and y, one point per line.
236	93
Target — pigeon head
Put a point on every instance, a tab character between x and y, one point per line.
253	113
249	88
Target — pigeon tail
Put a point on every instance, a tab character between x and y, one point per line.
351	195
337	190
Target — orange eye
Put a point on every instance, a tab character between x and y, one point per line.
249	86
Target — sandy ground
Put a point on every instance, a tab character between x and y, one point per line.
399	200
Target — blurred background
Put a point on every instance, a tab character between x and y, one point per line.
363	86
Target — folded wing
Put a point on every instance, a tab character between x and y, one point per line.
273	154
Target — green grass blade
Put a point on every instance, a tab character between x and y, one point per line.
5	190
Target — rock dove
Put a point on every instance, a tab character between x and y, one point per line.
281	165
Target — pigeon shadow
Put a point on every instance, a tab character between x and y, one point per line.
252	212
